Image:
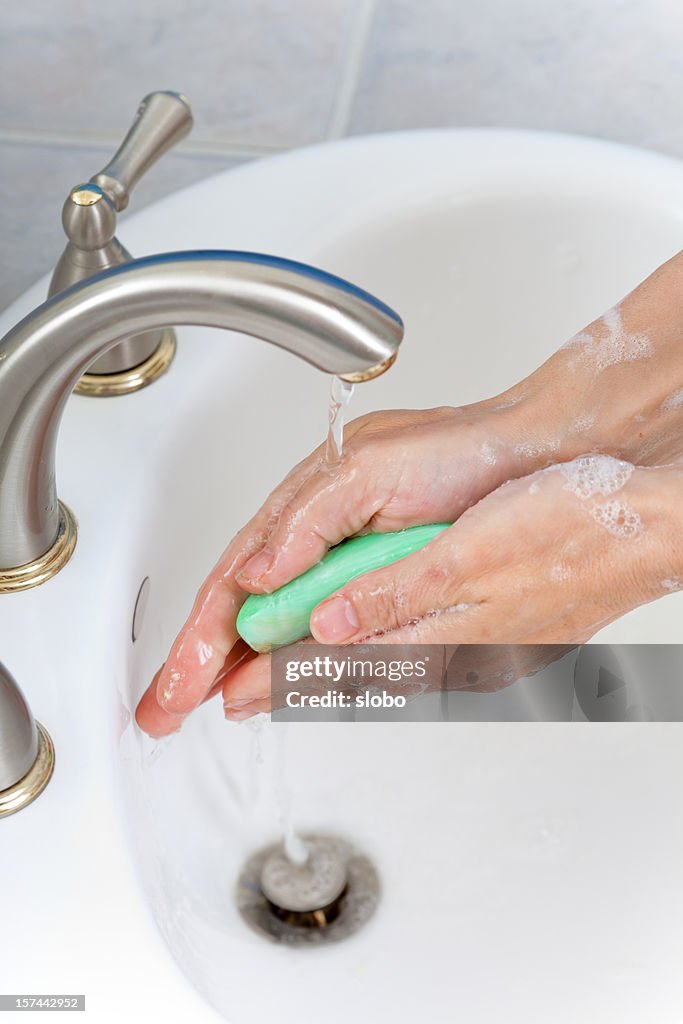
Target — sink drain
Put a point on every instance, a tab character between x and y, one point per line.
326	899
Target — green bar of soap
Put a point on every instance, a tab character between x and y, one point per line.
267	621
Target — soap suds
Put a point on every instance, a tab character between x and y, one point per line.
584	423
617	517
672	585
617	344
487	454
674	401
532	449
595	474
581	340
450	608
590	475
620	346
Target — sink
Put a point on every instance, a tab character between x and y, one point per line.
528	872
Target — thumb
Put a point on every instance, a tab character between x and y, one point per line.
424	582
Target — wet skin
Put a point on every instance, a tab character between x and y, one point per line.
527	561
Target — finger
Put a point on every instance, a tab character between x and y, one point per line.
251	681
157	722
245	686
325	510
199	650
151	717
426	582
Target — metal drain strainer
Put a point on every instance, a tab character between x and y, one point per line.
326	899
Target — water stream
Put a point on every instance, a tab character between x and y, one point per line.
341	393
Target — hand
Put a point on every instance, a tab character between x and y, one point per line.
399	469
617	388
544	561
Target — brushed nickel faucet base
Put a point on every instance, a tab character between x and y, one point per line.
25	791
23	577
125	382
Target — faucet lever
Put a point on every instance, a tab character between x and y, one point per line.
162	120
89	218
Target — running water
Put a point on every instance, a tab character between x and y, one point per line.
269	744
294	846
340	396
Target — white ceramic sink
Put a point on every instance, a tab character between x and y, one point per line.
529	872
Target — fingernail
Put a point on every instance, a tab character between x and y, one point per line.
335	620
256	566
235	715
236	703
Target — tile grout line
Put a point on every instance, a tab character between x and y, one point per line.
346	93
20	136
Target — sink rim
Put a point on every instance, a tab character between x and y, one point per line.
50	609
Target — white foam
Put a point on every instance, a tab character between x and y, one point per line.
584	422
580	340
617	345
595	474
674	401
532	449
672	585
487	454
617	517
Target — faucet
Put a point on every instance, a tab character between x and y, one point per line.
26	751
89	218
325	320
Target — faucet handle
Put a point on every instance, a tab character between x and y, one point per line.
162	120
89	219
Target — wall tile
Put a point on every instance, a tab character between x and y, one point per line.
260	72
612	68
35	182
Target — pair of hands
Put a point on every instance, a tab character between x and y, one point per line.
543	551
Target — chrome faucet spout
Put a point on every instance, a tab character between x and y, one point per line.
324	320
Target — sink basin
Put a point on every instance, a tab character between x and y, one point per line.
528	872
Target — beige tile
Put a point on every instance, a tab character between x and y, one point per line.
612	68
262	72
34	181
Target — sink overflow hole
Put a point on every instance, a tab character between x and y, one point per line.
140	609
